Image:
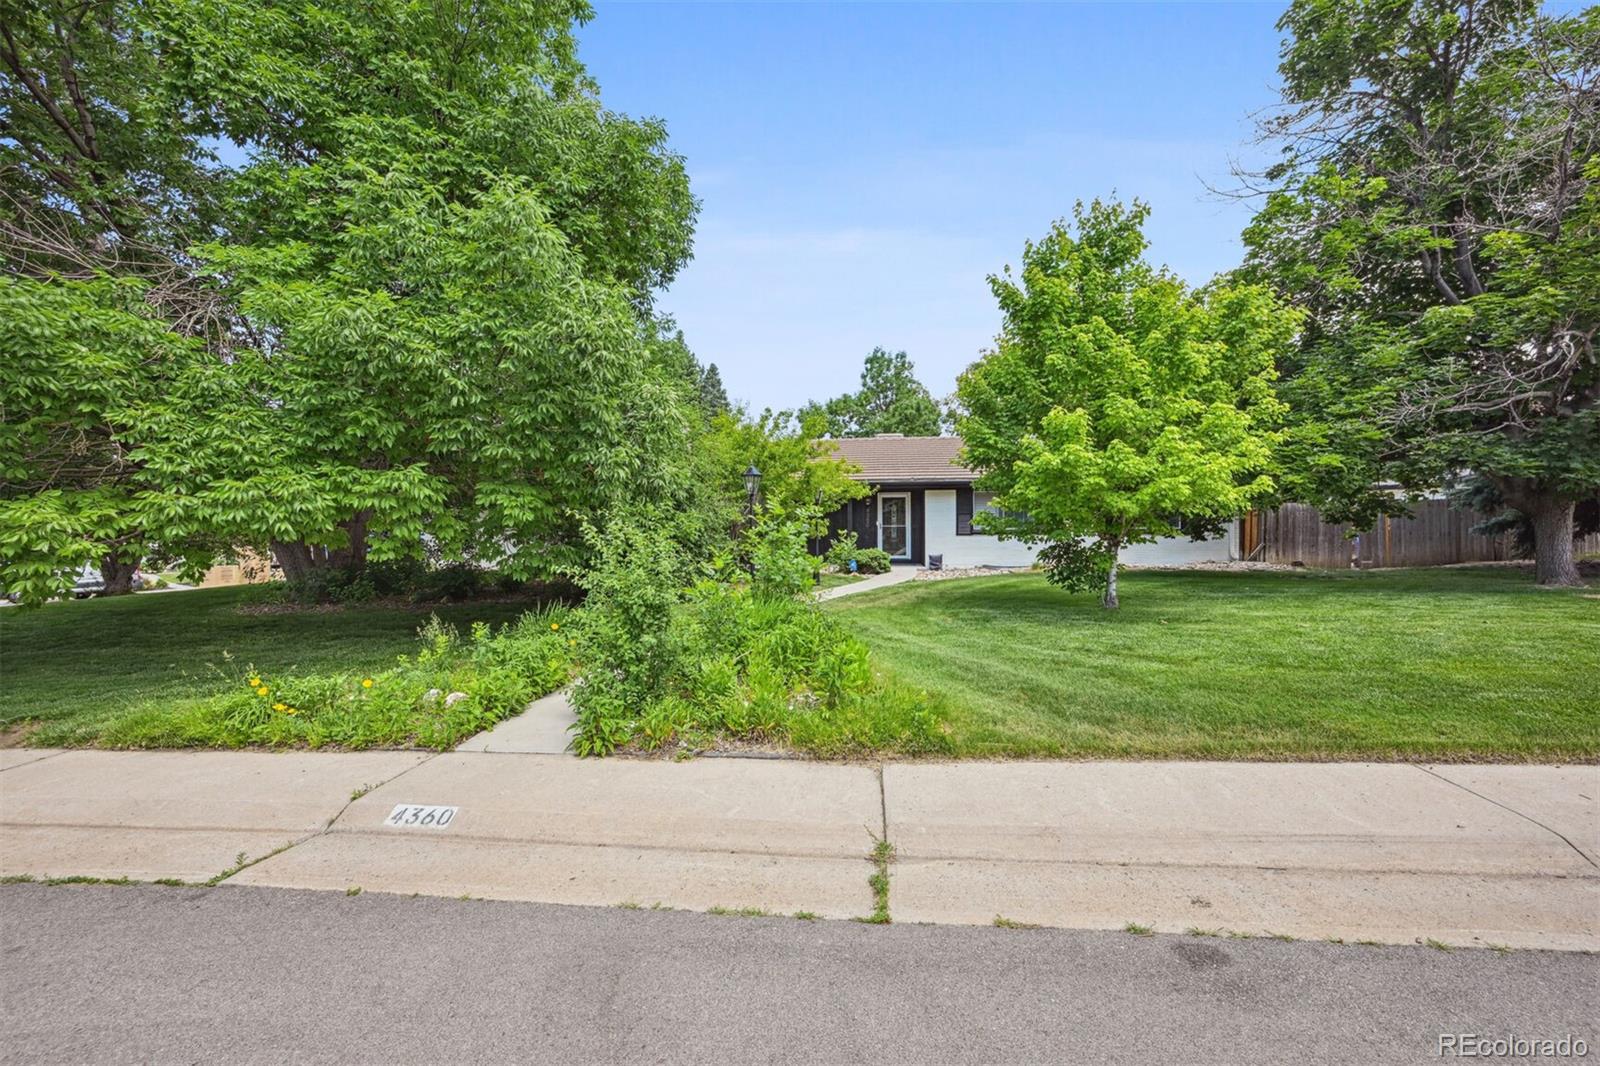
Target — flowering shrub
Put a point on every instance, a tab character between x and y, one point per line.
451	688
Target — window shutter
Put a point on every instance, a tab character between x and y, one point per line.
964	511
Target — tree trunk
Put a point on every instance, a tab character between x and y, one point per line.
116	570
1553	563
353	556
295	558
1109	600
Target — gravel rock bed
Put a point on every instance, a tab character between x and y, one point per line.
968	571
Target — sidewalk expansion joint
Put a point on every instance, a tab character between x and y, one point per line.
883	802
1585	855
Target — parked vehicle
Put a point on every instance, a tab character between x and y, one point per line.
88	583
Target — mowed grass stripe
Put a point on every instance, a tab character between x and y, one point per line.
1458	663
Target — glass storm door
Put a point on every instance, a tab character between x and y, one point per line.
895	522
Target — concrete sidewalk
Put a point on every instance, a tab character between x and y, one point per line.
1502	855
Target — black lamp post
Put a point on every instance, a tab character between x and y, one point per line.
752	487
818	531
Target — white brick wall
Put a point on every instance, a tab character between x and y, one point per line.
980	550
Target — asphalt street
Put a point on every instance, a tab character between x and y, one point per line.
236	974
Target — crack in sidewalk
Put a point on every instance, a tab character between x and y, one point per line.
1562	836
365	791
40	759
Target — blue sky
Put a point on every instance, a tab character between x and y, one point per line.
864	167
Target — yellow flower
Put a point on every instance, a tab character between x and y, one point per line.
554	626
366	682
572	644
291	710
255	682
262	691
280	706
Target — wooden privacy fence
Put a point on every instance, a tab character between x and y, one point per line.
1434	535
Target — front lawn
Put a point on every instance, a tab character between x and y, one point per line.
155	669
1471	663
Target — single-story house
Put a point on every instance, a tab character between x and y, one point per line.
922	504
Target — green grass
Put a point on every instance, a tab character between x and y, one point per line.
79	662
832	581
1460	663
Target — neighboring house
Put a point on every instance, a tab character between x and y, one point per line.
247	568
923	501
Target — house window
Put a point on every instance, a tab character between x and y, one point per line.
984	502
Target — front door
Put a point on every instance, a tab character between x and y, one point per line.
894	520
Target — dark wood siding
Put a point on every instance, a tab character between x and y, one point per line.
838	521
919	532
964	511
866	521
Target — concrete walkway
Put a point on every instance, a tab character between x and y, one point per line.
898	573
543	728
1469	855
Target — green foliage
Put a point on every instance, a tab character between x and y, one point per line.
843	551
1076	565
106	154
753	659
634	583
713	397
450	689
872	561
1116	398
424	301
798	469
891	400
1437	214
406	580
780	565
1479	494
80	360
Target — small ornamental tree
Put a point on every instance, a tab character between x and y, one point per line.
1116	401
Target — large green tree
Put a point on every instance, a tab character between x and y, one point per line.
1436	213
1116	400
890	400
429	285
106	178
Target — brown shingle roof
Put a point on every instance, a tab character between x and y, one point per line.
890	459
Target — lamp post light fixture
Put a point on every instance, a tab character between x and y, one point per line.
752	486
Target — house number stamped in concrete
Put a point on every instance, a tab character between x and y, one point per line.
418	816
